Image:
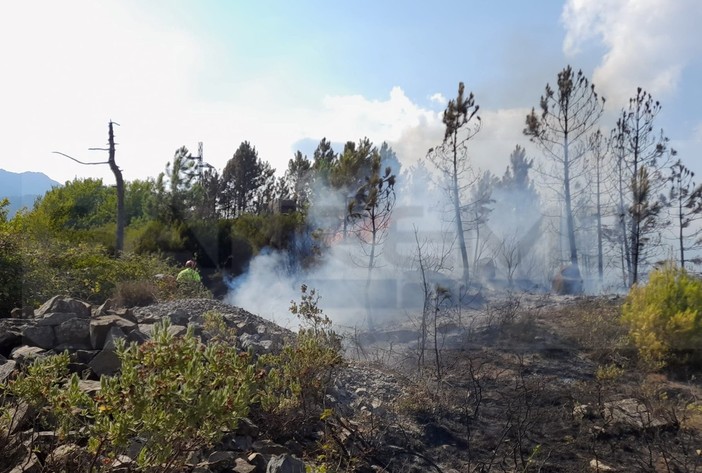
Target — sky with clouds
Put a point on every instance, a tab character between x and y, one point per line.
282	75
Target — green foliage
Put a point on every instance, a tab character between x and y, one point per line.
158	237
4	209
273	231
78	205
215	327
174	393
84	270
10	272
243	177
52	394
664	318
301	374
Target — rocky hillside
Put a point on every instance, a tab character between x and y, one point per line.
538	384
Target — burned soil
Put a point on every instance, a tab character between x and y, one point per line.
528	383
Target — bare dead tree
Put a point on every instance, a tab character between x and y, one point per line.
451	158
119	180
568	114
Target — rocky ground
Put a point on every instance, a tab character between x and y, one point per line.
523	383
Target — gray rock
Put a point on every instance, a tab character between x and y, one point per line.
25	353
285	464
177	330
220	461
67	457
246	427
294	447
242	466
104	308
179	317
42	337
6	370
74	333
125	314
147	329
631	415
9	339
259	461
84	356
137	336
25	312
114	334
105	363
29	464
88	386
19	415
268	447
100	326
56	318
63	304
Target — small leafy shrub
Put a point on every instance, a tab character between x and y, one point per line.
175	394
215	327
299	377
664	317
51	394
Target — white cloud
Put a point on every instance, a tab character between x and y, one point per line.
648	42
71	67
77	65
438	98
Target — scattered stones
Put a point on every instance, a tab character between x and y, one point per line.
285	464
64	304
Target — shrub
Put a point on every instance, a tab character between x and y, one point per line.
299	377
173	396
10	273
663	317
135	293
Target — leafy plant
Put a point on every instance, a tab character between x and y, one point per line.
663	316
175	394
299	377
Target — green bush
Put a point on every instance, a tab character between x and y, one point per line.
664	317
86	270
10	273
300	376
173	396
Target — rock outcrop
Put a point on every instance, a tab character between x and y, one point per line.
90	335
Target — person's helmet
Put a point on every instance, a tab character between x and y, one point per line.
190	264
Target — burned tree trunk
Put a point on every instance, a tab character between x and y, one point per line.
121	218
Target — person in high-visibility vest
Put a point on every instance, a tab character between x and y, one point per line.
189	273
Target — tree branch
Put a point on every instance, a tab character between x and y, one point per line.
74	159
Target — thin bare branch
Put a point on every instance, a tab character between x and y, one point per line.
79	162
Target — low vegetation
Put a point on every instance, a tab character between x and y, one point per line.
173	396
664	317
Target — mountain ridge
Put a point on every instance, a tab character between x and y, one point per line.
23	188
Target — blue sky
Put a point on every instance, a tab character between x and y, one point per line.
285	74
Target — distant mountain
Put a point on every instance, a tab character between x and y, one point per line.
23	188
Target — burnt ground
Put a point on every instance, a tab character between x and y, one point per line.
527	383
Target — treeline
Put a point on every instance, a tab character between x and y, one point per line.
615	199
190	210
